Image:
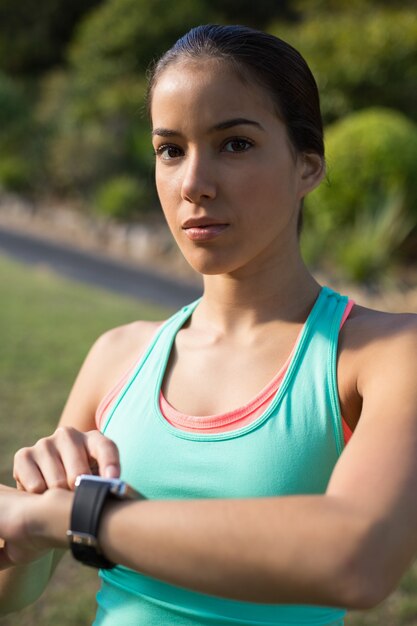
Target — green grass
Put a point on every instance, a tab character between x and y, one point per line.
47	325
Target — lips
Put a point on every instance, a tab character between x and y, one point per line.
201	222
203	228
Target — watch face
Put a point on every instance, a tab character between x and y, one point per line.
97	479
117	487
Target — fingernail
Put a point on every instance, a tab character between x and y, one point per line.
111	471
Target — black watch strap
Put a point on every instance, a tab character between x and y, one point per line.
89	499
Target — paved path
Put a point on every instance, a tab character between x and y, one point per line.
97	269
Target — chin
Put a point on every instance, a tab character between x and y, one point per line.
208	269
211	264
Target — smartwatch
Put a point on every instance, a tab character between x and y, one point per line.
91	494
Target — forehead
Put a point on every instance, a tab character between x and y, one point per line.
205	91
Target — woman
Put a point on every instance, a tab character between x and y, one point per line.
228	417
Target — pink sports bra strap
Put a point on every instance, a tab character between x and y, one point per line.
221	422
244	415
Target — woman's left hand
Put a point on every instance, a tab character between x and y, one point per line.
31	524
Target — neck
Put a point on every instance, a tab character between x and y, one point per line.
281	291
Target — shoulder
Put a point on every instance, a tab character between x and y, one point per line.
117	350
373	343
108	360
369	333
125	341
386	344
375	348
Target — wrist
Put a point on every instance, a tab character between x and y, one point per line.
92	495
49	519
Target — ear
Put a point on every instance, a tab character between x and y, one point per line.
312	171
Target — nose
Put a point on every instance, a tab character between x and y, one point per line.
198	182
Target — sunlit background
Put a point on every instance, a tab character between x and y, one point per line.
73	124
74	134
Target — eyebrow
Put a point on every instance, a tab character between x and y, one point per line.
238	121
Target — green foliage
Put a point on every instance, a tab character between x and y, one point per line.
99	128
371	155
15	174
122	197
311	7
360	58
80	153
14	113
81	156
33	34
121	37
256	14
97	108
365	248
367	207
92	138
84	123
21	140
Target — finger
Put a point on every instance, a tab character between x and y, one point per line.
105	452
26	472
66	457
7	489
52	470
46	460
5	561
41	467
75	460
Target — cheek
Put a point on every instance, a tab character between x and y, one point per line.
166	189
262	189
270	201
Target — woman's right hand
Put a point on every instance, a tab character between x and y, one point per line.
57	460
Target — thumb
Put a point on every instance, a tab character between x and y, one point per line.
5	560
105	453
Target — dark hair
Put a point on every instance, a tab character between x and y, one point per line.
271	62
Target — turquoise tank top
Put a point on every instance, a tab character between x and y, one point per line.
290	449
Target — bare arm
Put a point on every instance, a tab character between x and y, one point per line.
354	543
348	547
23	584
75	448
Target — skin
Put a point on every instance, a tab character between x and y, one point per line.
361	535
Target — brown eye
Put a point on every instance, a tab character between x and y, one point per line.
168	152
237	145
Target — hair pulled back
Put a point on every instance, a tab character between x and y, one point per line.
257	56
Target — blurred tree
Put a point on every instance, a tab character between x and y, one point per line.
14	112
360	58
18	137
111	50
365	210
100	127
122	36
34	35
256	14
309	8
122	198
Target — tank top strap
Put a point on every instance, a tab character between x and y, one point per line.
161	342
318	361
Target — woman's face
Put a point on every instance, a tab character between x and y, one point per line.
229	181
